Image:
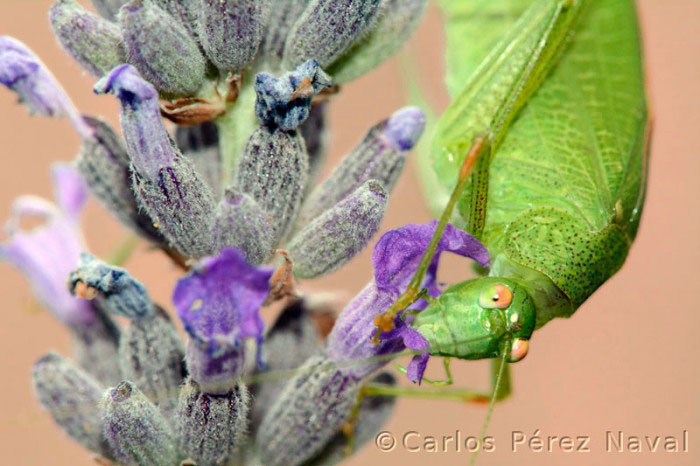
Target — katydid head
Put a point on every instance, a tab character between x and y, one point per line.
472	319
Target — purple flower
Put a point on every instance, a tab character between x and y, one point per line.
219	302
219	305
48	253
396	258
24	73
148	143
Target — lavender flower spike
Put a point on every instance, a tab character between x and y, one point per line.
47	254
284	102
219	304
166	183
24	73
380	156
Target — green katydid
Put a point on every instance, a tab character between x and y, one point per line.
549	138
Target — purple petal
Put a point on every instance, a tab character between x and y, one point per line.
149	144
398	253
24	73
417	342
416	367
219	304
70	190
46	255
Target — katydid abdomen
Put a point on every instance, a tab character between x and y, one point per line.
563	189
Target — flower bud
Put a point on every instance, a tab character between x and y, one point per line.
184	11
241	223
217	372
94	42
161	48
374	413
291	340
105	166
338	234
72	397
200	144
309	412
152	356
165	183
396	21
380	156
327	29
282	17
137	433
108	8
231	30
315	133
211	428
273	170
95	347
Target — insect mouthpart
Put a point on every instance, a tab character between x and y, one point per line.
519	350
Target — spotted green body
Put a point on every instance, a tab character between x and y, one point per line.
558	200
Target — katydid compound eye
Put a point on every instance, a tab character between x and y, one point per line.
496	296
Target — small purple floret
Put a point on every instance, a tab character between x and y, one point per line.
396	258
219	302
404	128
48	253
148	143
127	85
24	73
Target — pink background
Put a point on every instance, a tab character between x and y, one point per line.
626	361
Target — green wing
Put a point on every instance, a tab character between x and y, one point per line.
579	142
473	28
